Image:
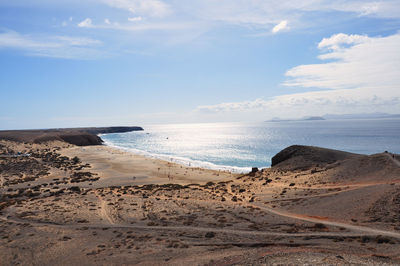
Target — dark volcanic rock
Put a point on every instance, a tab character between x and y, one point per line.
79	139
253	172
305	157
82	139
104	130
254	169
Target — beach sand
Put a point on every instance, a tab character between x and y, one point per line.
118	167
110	207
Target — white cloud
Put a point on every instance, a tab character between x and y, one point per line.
283	25
370	62
364	77
87	23
134	19
151	8
66	47
107	21
336	41
370	8
258	104
305	104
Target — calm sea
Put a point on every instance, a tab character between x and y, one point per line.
240	146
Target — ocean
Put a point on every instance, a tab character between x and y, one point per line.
239	146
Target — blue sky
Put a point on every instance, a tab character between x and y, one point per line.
125	62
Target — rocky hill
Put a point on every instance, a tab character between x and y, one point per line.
303	157
77	136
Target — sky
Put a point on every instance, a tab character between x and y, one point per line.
70	63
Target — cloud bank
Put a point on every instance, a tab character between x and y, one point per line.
364	76
371	63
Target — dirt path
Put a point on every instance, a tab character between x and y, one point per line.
347	188
358	228
316	196
363	229
191	229
396	162
104	214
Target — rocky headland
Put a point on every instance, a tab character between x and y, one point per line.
76	136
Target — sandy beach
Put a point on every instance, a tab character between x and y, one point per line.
97	205
118	167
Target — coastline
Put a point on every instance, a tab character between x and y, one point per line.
181	160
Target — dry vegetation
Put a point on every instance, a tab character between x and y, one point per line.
344	211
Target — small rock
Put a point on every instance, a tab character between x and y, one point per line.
210	234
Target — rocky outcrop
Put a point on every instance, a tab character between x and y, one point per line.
80	139
107	130
304	157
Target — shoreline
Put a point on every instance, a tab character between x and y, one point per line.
187	162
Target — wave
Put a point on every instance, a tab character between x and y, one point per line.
181	160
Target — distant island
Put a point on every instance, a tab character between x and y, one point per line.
361	116
338	117
310	118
